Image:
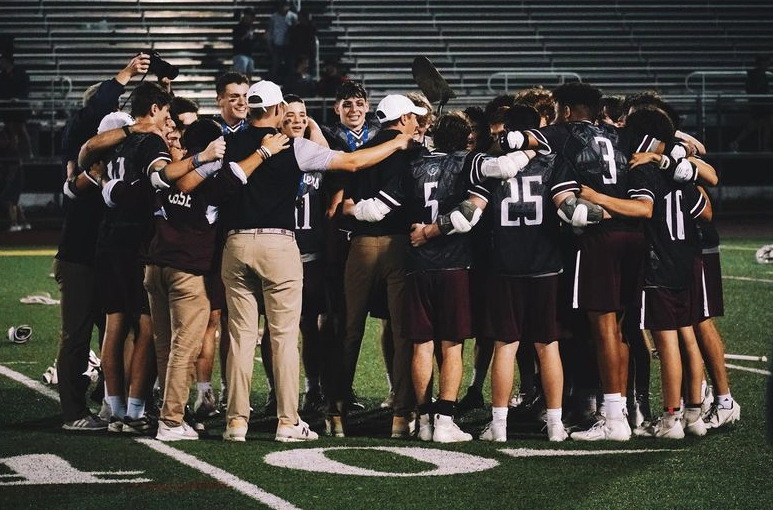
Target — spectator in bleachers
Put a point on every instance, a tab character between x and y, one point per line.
301	82
302	39
11	183
14	109
330	79
243	41
760	109
277	38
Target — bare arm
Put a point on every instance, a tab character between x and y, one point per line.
315	134
707	213
707	175
364	158
274	143
138	65
625	207
174	171
94	146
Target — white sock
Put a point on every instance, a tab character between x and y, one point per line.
424	419
624	404
554	415
203	387
612	401
135	408
725	401
117	405
499	413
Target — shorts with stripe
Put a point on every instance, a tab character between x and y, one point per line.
523	308
608	270
437	306
710	280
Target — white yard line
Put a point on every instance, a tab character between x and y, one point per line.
747	369
735	247
746	279
532	452
218	474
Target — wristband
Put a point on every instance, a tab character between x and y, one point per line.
196	163
126	131
264	152
665	162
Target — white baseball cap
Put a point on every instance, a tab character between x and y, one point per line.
114	120
264	94
395	105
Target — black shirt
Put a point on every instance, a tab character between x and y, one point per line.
368	182
524	226
672	238
309	211
129	195
268	198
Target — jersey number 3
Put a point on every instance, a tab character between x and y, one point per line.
608	155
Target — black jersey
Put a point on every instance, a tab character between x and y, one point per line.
340	137
598	155
709	236
227	129
524	225
129	195
672	237
436	183
309	211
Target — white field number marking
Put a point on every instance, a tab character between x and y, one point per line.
47	469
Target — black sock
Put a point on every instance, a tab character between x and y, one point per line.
445	407
425	408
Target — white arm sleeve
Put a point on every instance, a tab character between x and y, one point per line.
311	157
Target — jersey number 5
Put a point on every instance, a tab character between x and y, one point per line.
515	198
608	154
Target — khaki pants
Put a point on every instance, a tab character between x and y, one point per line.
372	260
269	264
179	308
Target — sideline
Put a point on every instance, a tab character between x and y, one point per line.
746	279
27	253
218	474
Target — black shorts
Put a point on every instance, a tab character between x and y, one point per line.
710	281
523	308
665	309
480	292
608	270
313	288
437	306
122	289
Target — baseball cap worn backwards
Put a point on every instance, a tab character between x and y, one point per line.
395	105
264	94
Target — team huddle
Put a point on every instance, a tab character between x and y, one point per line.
564	223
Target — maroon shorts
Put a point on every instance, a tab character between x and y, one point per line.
215	290
313	287
666	309
710	280
608	269
122	289
480	291
523	308
437	306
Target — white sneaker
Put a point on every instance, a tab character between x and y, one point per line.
614	429
666	428
295	433
692	423
388	402
707	394
719	416
236	430
182	432
495	431
446	431
556	431
425	428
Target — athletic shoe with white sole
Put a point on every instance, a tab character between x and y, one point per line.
446	431
295	433
666	427
143	426
236	430
205	405
334	425
425	428
693	423
719	416
388	402
89	423
182	432
495	431
556	431
616	429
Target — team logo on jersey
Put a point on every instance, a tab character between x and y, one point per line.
311	180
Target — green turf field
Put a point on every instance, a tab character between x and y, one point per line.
43	467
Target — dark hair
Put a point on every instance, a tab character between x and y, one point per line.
540	99
497	103
579	95
180	105
451	132
227	79
652	99
199	134
351	88
145	95
650	121
478	119
521	117
292	98
613	106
